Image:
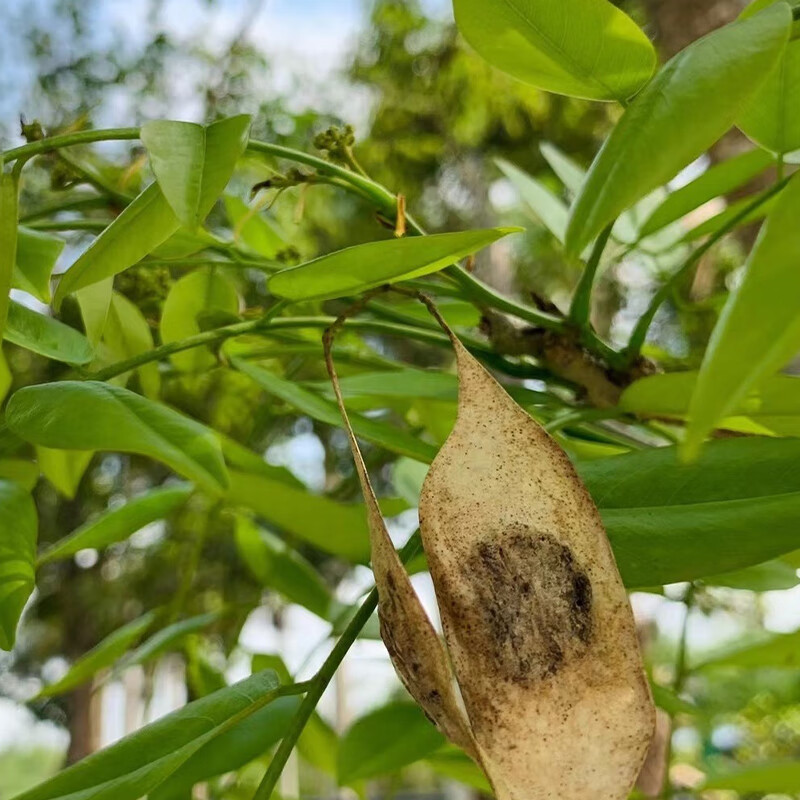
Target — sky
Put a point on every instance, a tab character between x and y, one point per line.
306	42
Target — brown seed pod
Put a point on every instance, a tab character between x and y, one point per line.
536	621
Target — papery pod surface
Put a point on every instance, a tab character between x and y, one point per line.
536	621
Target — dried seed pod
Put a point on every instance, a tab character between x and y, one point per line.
415	648
536	620
539	632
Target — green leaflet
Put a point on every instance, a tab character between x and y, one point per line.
252	229
74	415
119	523
687	106
776	652
136	765
772	120
570	173
337	528
127	334
142	226
37	253
46	336
165	639
365	266
64	468
736	506
776	777
94	302
9	215
307	402
582	48
774	404
372	746
239	745
458	766
548	208
6	378
185	242
193	163
771	576
25	473
19	524
280	568
718	221
202	291
103	655
758	330
717	181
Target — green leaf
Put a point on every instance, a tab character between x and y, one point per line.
386	740
240	458
734	209
193	163
37	253
18	524
407	478
383	434
718	181
184	243
25	473
280	568
88	415
199	292
547	208
581	48
770	576
365	266
168	637
781	651
688	105
568	171
458	766
337	528
403	382
127	334
6	378
670	702
64	468
9	216
772	120
46	336
243	743
94	302
119	523
456	313
758	330
775	777
103	655
252	229
737	505
136	765
142	226
318	743
774	404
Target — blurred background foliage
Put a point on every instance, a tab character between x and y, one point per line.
429	118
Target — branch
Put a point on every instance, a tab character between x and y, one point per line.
319	683
563	355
